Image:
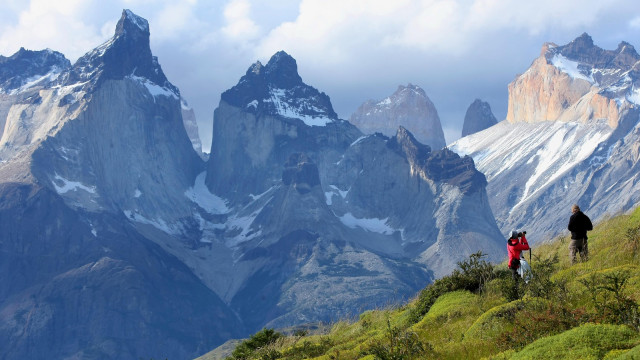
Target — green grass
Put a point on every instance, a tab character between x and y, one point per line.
589	341
588	310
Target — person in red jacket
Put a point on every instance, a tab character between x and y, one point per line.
515	245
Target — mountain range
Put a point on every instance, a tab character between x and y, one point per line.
571	136
120	240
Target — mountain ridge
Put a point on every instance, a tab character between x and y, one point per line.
568	138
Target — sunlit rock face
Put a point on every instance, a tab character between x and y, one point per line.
570	136
576	82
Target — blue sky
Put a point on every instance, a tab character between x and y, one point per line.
353	50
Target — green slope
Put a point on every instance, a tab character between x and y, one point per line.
587	311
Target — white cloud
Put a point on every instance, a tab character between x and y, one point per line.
337	28
239	25
59	25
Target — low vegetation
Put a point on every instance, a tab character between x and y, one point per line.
588	310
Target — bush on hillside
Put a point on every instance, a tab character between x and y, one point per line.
308	349
255	346
607	293
398	344
471	275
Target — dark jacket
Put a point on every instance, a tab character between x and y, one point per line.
579	224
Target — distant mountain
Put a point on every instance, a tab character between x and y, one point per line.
477	118
91	156
409	107
120	242
27	68
323	220
570	136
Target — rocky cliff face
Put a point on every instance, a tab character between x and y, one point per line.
91	155
477	118
569	138
323	220
123	243
575	82
191	126
409	107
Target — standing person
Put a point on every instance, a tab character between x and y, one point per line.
515	245
579	224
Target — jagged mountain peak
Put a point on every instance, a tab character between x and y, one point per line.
256	68
126	54
410	146
578	81
28	67
442	165
277	89
478	117
588	55
410	89
132	23
282	71
583	41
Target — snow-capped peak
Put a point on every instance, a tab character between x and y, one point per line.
611	70
277	89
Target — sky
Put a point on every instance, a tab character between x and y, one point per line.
353	50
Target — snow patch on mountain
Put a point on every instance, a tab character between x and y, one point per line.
154	89
199	193
634	96
159	224
64	186
359	139
280	99
335	191
555	146
566	146
37	80
259	196
571	68
241	226
372	225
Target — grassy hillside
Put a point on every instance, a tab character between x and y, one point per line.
587	311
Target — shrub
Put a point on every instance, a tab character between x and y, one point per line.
632	237
398	344
249	349
471	275
308	349
533	323
607	294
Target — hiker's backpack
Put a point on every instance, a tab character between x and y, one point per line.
525	270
